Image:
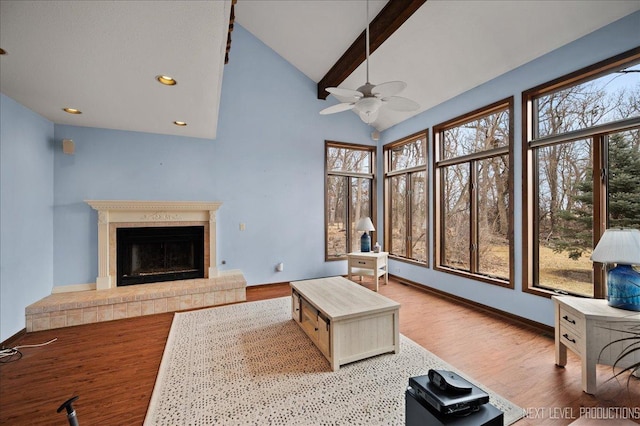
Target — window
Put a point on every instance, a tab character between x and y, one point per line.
581	168
406	198
349	195
473	193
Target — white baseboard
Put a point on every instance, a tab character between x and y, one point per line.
73	287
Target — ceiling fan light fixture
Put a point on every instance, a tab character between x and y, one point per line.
369	116
368	105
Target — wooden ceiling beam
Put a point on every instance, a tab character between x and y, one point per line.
232	20
390	18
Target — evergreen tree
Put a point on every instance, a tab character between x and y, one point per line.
623	185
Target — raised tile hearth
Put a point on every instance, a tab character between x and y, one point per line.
86	307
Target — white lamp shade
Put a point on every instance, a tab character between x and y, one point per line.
620	246
365	224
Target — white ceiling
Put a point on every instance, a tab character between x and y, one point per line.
102	56
444	49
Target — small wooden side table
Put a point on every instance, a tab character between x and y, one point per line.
587	326
370	264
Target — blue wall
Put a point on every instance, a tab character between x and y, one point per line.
266	166
26	212
599	45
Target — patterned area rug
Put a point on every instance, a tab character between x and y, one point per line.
250	363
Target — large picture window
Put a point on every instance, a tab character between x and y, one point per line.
406	192
581	172
473	181
349	195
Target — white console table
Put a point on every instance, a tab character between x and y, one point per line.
586	326
370	264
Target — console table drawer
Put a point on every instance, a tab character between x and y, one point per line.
571	320
571	340
362	263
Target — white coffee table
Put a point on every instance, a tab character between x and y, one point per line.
346	321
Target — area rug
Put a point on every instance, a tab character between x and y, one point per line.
251	364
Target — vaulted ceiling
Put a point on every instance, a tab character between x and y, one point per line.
103	57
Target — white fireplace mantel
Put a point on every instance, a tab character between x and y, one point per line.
116	213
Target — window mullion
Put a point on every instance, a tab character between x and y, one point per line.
600	207
473	217
347	204
408	198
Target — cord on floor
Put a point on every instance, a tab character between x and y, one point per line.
8	355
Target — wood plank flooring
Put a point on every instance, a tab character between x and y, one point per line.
112	366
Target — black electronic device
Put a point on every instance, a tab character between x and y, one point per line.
450	400
448	382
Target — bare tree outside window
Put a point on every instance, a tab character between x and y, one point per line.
348	195
406	207
473	194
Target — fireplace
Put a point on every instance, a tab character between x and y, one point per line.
163	253
114	215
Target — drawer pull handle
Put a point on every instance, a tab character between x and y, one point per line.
566	336
317	330
361	263
569	320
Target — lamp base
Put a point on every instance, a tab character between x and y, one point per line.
623	284
365	243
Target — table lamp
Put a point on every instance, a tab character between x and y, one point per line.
365	224
622	247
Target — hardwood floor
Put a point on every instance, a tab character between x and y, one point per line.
112	366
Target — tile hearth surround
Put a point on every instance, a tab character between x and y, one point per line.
109	302
86	307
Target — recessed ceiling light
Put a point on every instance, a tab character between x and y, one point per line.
72	110
3	52
166	80
180	123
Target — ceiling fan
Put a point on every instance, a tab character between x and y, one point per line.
369	98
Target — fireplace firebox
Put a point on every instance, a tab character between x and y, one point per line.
155	254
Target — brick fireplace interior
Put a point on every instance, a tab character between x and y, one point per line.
158	254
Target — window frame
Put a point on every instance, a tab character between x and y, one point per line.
438	184
598	135
388	174
371	149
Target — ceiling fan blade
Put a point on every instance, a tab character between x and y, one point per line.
398	103
345	106
390	88
352	95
